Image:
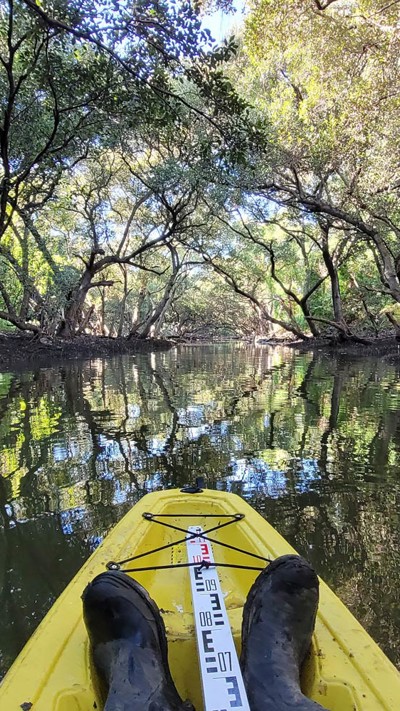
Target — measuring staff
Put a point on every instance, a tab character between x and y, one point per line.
222	682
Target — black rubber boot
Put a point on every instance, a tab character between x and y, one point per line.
278	622
129	645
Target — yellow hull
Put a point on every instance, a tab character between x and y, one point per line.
346	671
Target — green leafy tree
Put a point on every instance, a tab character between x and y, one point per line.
324	76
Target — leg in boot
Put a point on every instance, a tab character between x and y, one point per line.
278	622
129	645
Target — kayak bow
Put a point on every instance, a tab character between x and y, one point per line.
346	670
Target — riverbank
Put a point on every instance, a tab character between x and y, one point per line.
386	346
19	351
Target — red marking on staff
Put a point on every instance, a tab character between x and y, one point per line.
204	550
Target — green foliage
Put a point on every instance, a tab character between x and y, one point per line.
147	171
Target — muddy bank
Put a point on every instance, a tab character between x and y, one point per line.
19	351
385	346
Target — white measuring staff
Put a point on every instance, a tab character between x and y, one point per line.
222	681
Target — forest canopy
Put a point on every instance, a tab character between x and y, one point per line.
154	182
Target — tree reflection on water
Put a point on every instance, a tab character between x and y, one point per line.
311	441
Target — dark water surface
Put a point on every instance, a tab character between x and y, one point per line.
312	441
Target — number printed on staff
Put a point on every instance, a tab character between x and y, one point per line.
210	585
205	619
225	661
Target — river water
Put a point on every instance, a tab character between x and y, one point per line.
312	441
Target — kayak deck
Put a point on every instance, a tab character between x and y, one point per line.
346	670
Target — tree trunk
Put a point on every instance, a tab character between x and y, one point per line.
158	324
395	324
307	315
123	302
334	278
73	310
136	320
23	309
354	283
145	330
389	267
103	311
86	319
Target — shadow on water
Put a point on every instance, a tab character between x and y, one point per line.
311	441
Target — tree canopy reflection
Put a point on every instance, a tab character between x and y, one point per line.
311	441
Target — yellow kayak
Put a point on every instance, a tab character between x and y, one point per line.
346	670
